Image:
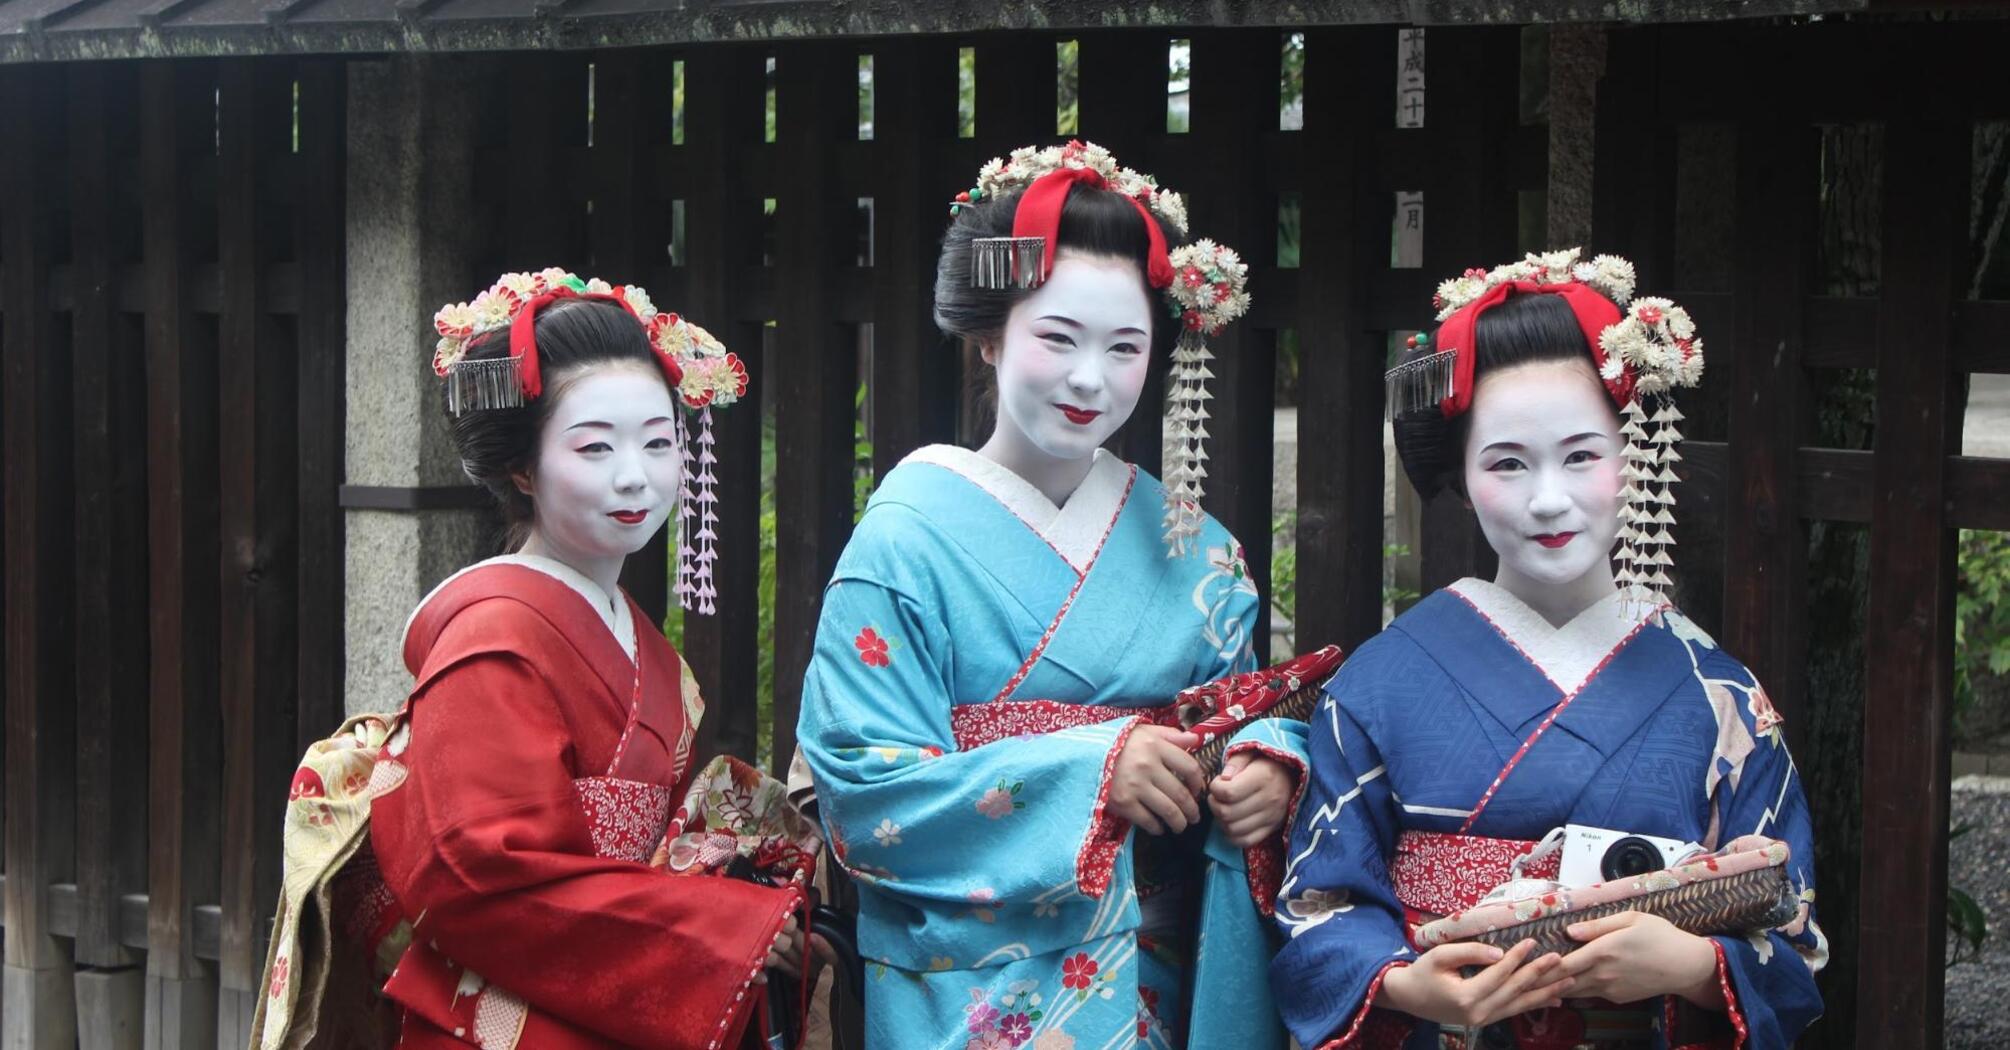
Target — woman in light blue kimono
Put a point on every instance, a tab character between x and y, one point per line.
1453	745
986	714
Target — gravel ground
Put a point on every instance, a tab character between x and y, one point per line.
1979	862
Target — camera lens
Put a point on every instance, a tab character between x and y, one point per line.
1629	856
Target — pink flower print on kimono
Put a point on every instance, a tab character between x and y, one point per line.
1002	800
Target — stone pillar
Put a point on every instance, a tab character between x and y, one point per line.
411	214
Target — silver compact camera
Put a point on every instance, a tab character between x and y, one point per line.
1592	855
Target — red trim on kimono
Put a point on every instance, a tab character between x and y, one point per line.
1374	1027
1672	1007
1097	858
1081	578
1264	862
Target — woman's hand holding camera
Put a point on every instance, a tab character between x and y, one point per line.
1433	989
1632	956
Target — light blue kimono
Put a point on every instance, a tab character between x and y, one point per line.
952	718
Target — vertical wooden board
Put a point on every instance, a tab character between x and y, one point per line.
1350	93
1122	106
1470	207
912	379
1910	643
723	121
815	366
257	448
111	739
621	143
1633	174
177	106
1765	538
543	89
1015	91
1231	109
321	242
41	711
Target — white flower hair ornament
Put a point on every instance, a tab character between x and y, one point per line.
1643	349
700	370
1204	286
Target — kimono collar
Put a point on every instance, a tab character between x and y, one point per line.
1568	655
1076	529
616	617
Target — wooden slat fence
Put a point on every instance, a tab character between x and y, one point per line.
172	263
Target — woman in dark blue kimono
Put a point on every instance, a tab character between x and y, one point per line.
1563	692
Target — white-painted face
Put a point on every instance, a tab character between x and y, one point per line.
607	465
1073	355
1542	463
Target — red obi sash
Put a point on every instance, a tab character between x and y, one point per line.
1437	874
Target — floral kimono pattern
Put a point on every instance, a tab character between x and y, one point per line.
981	659
1646	727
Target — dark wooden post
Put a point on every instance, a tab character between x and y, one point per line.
723	119
1765	550
321	246
41	710
257	444
1910	644
177	117
912	382
815	364
1230	98
1350	95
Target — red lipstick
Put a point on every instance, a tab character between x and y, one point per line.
1553	540
629	517
1081	417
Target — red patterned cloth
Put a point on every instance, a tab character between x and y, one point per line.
1439	874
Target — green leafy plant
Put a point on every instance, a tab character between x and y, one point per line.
1967	924
1981	612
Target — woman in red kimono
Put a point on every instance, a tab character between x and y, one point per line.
535	769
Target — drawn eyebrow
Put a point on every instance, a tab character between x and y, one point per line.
596	424
1072	323
1504	445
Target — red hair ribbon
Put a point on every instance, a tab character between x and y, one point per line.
1594	312
523	338
1039	215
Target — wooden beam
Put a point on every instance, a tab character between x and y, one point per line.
1229	98
912	383
1909	647
41	711
723	118
815	368
177	103
1765	540
109	398
1350	90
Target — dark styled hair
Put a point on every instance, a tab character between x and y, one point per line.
496	444
1524	329
1094	221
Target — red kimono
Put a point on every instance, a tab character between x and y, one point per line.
541	769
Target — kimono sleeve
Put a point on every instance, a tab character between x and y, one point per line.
904	808
1768	978
1337	908
485	844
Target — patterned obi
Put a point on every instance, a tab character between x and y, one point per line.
975	725
627	818
1437	874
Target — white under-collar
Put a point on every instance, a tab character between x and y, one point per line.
1566	655
1076	529
614	615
